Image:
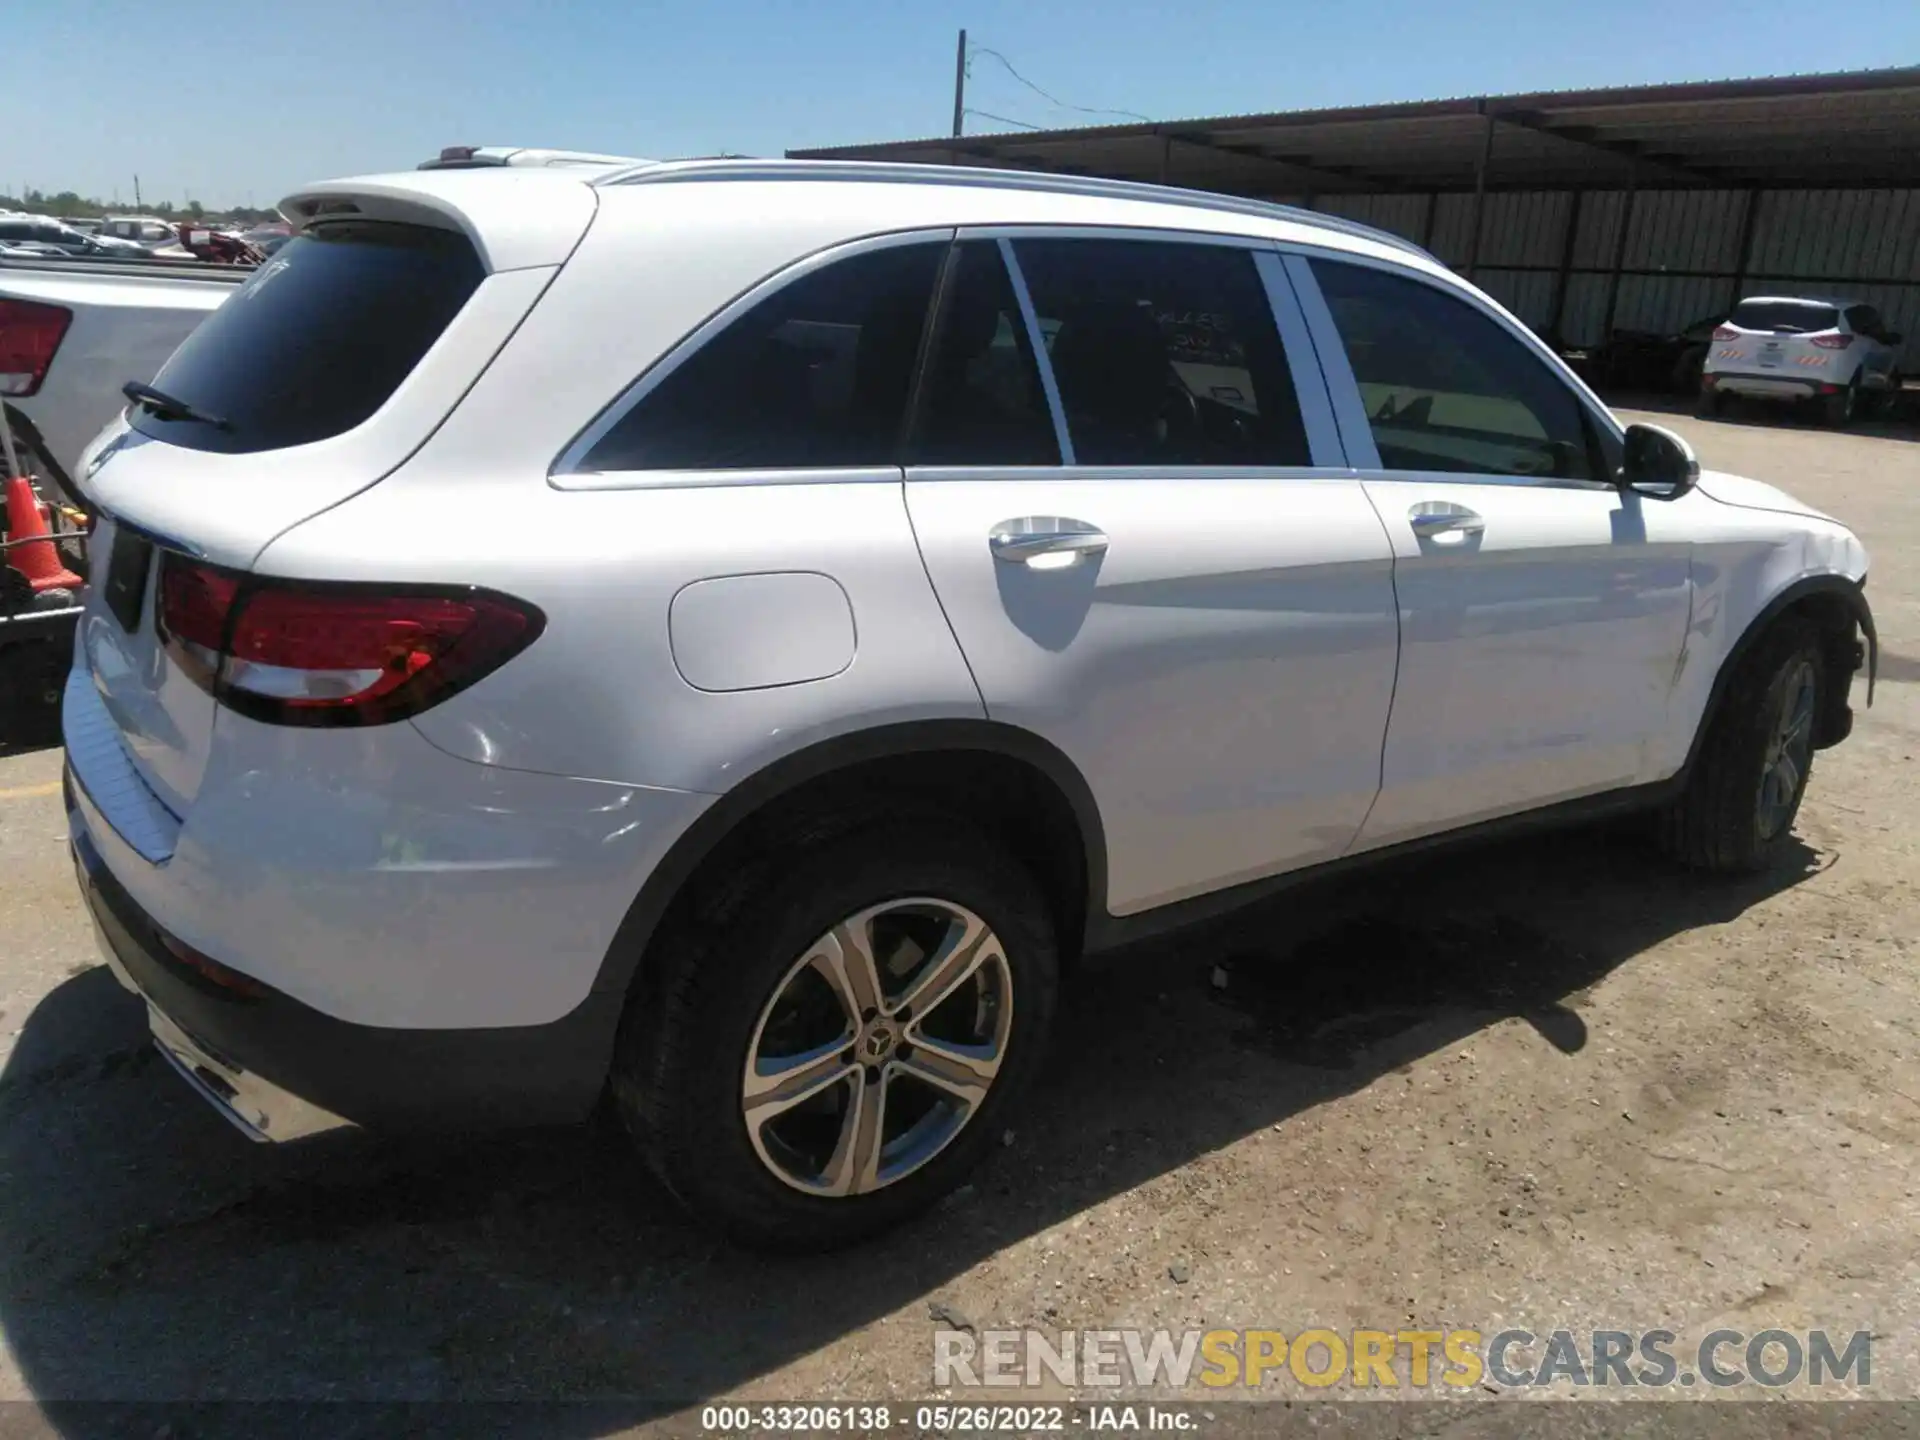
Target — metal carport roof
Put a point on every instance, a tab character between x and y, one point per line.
1852	129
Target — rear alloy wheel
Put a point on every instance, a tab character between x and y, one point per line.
833	1048
856	1078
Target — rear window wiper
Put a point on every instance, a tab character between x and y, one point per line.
163	406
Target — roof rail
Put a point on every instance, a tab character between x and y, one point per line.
884	172
479	157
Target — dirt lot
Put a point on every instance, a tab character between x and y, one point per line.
1545	1084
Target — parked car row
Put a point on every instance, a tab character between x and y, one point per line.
42	235
131	237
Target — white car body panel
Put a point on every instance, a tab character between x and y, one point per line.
1755	495
1220	676
1578	582
534	223
414	890
599	695
1743	558
1223	679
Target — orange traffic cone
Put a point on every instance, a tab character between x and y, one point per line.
37	559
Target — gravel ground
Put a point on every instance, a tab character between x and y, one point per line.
1550	1084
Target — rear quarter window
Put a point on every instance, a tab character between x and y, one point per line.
318	339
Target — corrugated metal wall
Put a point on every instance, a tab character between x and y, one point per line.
1682	259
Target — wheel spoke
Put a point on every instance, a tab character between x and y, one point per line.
793	1079
964	1072
844	958
1799	718
854	1165
963	952
1787	776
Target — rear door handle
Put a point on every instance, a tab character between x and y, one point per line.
1431	518
1023	541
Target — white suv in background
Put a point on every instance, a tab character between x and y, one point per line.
1839	353
726	633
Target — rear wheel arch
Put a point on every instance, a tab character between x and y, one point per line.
1014	786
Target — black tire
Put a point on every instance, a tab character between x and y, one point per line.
1707	405
1879	404
677	1079
1717	824
1689	368
1839	410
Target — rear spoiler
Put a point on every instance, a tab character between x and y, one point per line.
479	157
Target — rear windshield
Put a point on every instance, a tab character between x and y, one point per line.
1797	317
317	340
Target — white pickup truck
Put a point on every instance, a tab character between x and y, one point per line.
72	332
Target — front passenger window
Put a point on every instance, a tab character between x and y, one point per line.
1448	388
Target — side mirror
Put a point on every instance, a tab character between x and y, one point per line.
1658	464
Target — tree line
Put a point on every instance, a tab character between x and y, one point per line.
67	205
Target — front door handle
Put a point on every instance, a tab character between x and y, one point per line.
1431	518
1052	540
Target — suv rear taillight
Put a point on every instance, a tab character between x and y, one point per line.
1725	332
296	652
29	334
1835	341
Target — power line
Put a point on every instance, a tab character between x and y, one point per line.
1044	95
1003	119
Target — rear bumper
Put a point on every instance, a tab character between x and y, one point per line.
370	876
281	1070
1766	385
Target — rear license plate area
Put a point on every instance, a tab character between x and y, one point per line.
129	564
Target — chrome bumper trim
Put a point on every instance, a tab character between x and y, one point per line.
258	1109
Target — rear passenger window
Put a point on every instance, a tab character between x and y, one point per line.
815	376
1448	388
980	400
1164	353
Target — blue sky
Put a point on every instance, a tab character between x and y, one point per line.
229	102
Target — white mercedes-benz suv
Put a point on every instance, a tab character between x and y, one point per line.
721	635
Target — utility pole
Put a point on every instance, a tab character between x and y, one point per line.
136	192
1480	192
960	85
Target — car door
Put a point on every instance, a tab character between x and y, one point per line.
1543	609
1877	356
1127	488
